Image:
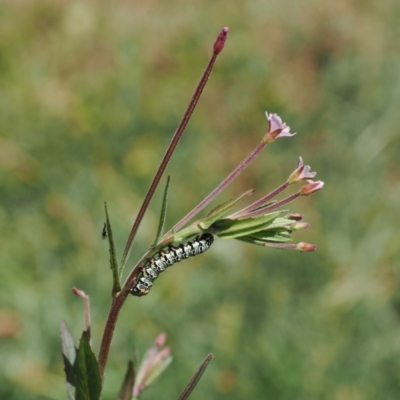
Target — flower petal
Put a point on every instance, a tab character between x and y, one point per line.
276	128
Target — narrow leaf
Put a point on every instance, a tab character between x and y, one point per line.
272	236
267	204
245	211
88	380
69	356
196	377
127	386
223	209
163	213
68	347
261	238
231	229
116	274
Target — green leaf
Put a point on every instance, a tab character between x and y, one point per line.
235	228
260	238
70	378
223	209
267	204
116	274
196	377
68	347
163	213
281	223
69	356
240	213
127	386
88	380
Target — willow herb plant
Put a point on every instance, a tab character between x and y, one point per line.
262	223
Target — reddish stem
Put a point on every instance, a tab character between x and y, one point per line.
231	177
260	202
120	299
218	46
264	210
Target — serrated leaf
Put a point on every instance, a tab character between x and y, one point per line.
223	209
163	213
196	377
127	386
116	273
235	228
69	357
88	380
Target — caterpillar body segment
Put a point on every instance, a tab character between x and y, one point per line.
167	257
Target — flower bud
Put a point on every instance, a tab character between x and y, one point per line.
220	42
303	246
160	340
299	226
295	216
312	187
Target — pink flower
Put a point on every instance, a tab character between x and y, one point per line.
276	128
301	173
312	187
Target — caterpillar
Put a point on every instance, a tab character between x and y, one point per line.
168	257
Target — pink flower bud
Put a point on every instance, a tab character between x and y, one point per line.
160	340
276	128
220	42
303	246
301	173
312	187
80	293
295	216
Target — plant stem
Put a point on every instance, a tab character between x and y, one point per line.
119	300
109	330
260	202
218	46
230	178
271	207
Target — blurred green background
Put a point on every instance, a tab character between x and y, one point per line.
90	94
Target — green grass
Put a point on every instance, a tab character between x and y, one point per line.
90	96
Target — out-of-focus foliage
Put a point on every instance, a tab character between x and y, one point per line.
90	94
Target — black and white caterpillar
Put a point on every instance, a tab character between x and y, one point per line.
166	258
